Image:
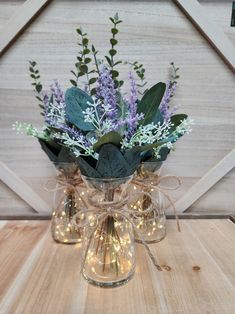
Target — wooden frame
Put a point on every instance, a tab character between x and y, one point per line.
19	21
194	11
22	189
214	35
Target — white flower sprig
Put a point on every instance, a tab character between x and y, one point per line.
29	129
183	128
77	145
99	119
148	134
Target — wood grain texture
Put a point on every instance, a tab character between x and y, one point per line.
215	36
206	182
48	280
17	242
155	32
24	191
18	22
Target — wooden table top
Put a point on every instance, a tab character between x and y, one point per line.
40	276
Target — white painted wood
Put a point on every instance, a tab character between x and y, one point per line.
206	182
22	189
24	15
209	29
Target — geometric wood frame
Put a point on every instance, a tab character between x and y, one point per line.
213	34
19	21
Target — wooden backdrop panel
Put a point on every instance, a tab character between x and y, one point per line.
154	32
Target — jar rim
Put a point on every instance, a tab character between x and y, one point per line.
104	179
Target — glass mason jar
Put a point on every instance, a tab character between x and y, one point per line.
109	252
66	203
148	204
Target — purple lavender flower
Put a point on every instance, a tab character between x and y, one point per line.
54	104
57	93
164	106
106	92
75	134
132	118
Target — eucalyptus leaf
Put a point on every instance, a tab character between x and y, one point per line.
65	155
158	117
177	120
150	102
146	147
111	162
111	137
86	169
50	151
76	102
133	159
164	151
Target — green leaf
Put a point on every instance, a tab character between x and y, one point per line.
111	162
85	41
92	80
114	31
86	169
113	41
121	83
38	88
32	63
133	159
86	51
177	120
112	52
65	155
76	102
111	137
93	91
79	31
114	73
118	62
150	102
74	83
87	60
81	74
108	60
51	151
147	147
83	68
158	117
164	151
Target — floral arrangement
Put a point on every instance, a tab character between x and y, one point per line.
93	123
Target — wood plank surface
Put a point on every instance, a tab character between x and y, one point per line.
44	277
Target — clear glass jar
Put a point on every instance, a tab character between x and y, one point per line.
109	252
148	203
66	203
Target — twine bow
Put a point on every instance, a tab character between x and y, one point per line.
152	182
102	211
68	183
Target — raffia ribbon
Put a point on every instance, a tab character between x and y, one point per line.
152	182
68	184
110	208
